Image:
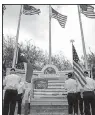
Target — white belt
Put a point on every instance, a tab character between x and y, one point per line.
10	88
71	92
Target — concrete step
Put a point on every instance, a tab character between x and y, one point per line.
50	90
55	96
56	81
49	101
46	110
50	107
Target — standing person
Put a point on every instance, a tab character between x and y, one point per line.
79	98
21	90
88	95
10	84
93	75
27	99
71	86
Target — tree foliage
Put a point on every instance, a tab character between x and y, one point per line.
36	56
90	60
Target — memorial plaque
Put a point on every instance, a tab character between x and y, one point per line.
41	84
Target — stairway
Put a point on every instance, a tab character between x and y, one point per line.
48	110
48	107
50	101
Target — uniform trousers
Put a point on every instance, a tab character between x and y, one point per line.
72	103
80	102
89	100
9	102
19	101
27	108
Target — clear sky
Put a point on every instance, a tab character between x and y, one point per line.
36	27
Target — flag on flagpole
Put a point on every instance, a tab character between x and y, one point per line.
30	10
61	18
20	57
27	65
88	11
29	72
78	69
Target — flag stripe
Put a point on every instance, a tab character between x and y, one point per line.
80	74
79	67
62	17
30	13
79	80
89	15
76	76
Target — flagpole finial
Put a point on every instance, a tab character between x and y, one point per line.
72	41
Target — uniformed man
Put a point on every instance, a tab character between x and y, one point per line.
10	84
27	98
79	98
21	90
71	86
88	95
93	76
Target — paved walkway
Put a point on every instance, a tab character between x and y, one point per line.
33	112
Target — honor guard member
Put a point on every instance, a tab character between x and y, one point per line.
93	75
79	98
10	84
27	99
88	95
21	90
71	86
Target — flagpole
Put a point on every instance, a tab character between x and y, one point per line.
82	36
17	35
72	41
49	34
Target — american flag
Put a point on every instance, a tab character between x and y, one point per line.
61	18
78	69
20	57
30	10
29	72
88	11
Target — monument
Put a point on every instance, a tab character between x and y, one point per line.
49	94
